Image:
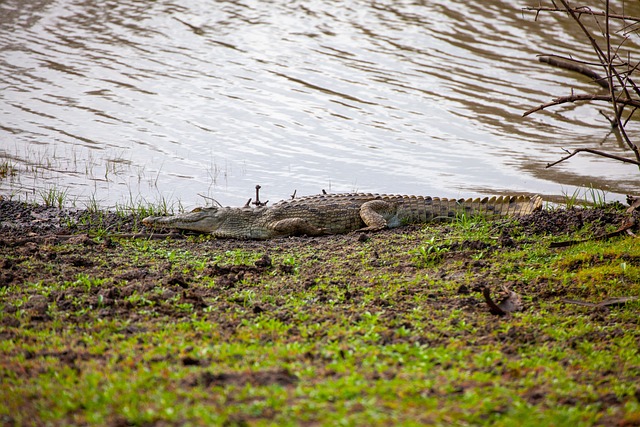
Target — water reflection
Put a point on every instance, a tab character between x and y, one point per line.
119	98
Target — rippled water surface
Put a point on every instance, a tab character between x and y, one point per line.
135	100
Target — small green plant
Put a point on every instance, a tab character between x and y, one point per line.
92	204
475	226
589	197
464	220
95	220
245	297
290	265
69	222
185	306
86	282
237	256
138	299
7	169
597	197
429	254
54	197
571	201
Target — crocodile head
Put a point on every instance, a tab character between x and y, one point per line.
204	220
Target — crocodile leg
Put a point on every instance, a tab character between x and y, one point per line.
372	214
296	227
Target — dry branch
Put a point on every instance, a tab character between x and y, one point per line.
585	11
580	98
596	152
574	66
618	70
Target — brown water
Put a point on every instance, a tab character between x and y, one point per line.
122	100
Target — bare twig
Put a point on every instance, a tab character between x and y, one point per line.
577	61
574	66
197	30
613	123
596	152
581	98
595	13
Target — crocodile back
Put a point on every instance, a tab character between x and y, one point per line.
333	213
341	212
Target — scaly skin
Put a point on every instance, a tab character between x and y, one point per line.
339	213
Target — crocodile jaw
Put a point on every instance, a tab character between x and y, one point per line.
203	220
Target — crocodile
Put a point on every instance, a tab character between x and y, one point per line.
337	214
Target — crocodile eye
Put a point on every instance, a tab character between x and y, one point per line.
197	210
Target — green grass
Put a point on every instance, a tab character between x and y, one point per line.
335	332
586	197
7	169
54	196
429	253
142	208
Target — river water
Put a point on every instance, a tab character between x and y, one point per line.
140	101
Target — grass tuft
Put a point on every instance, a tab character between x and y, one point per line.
7	170
54	197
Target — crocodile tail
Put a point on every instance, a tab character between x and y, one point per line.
535	204
516	205
497	205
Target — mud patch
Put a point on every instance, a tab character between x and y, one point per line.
260	378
